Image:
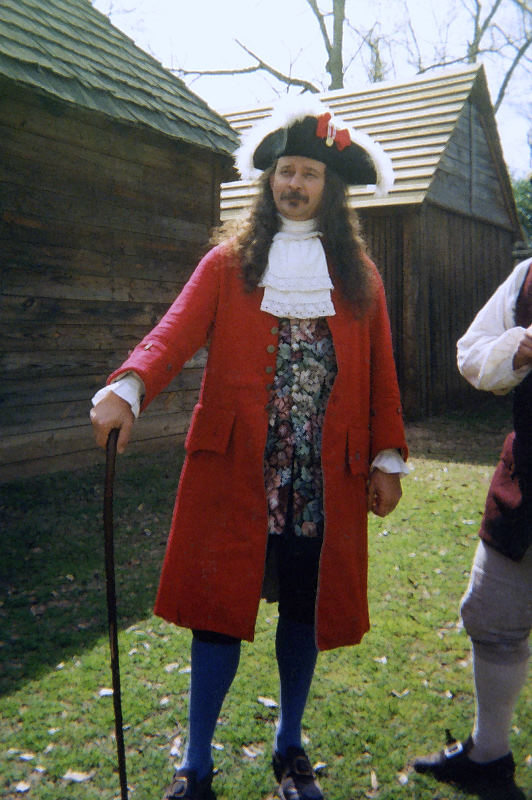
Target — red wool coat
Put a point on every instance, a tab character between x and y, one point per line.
213	568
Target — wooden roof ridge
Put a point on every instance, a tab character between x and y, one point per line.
412	119
70	50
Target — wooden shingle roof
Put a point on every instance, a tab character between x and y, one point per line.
412	120
68	49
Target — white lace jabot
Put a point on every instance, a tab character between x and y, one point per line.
296	279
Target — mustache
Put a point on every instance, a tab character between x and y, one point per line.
294	195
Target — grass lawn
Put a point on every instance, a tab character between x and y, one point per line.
372	708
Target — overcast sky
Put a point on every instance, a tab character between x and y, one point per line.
201	34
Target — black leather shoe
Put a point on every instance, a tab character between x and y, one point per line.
453	765
296	778
185	786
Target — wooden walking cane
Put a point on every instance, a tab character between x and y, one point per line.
111	604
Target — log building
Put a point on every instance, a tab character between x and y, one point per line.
109	185
443	238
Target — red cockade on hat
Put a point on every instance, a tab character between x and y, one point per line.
325	129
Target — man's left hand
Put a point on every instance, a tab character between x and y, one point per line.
384	492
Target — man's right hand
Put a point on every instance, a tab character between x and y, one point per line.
112	412
523	354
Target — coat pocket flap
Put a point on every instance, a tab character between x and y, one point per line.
358	450
210	429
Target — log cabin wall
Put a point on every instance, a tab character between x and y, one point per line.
455	263
101	223
438	268
383	231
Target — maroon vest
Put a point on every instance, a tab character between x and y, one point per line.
507	521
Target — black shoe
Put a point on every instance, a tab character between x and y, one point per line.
453	765
296	778
185	786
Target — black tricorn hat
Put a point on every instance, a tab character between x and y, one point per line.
298	129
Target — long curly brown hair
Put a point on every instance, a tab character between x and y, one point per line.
341	237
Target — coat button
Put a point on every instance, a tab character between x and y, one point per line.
269	369
275	330
270	348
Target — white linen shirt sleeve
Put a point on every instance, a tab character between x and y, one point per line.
390	461
486	351
129	387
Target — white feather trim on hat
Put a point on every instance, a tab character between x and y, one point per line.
291	109
287	111
380	158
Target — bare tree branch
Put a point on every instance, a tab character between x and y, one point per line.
335	64
504	85
490	35
201	72
480	28
288	79
323	28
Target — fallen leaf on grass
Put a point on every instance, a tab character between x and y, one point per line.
77	777
176	746
251	751
27	756
374	792
105	693
404	693
267	701
23	786
319	766
172	667
381	660
402	777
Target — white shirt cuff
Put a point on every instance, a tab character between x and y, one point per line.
127	386
390	461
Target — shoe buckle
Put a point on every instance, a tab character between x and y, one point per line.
453	749
302	766
180	787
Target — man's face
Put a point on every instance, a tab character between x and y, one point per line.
297	185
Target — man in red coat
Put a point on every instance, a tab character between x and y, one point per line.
297	433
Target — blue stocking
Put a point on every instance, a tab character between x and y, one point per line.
214	667
296	658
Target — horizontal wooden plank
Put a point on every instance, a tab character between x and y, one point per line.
34	418
52	389
30	310
67	363
58	337
169	260
91	456
70	171
92	214
70	285
58	442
